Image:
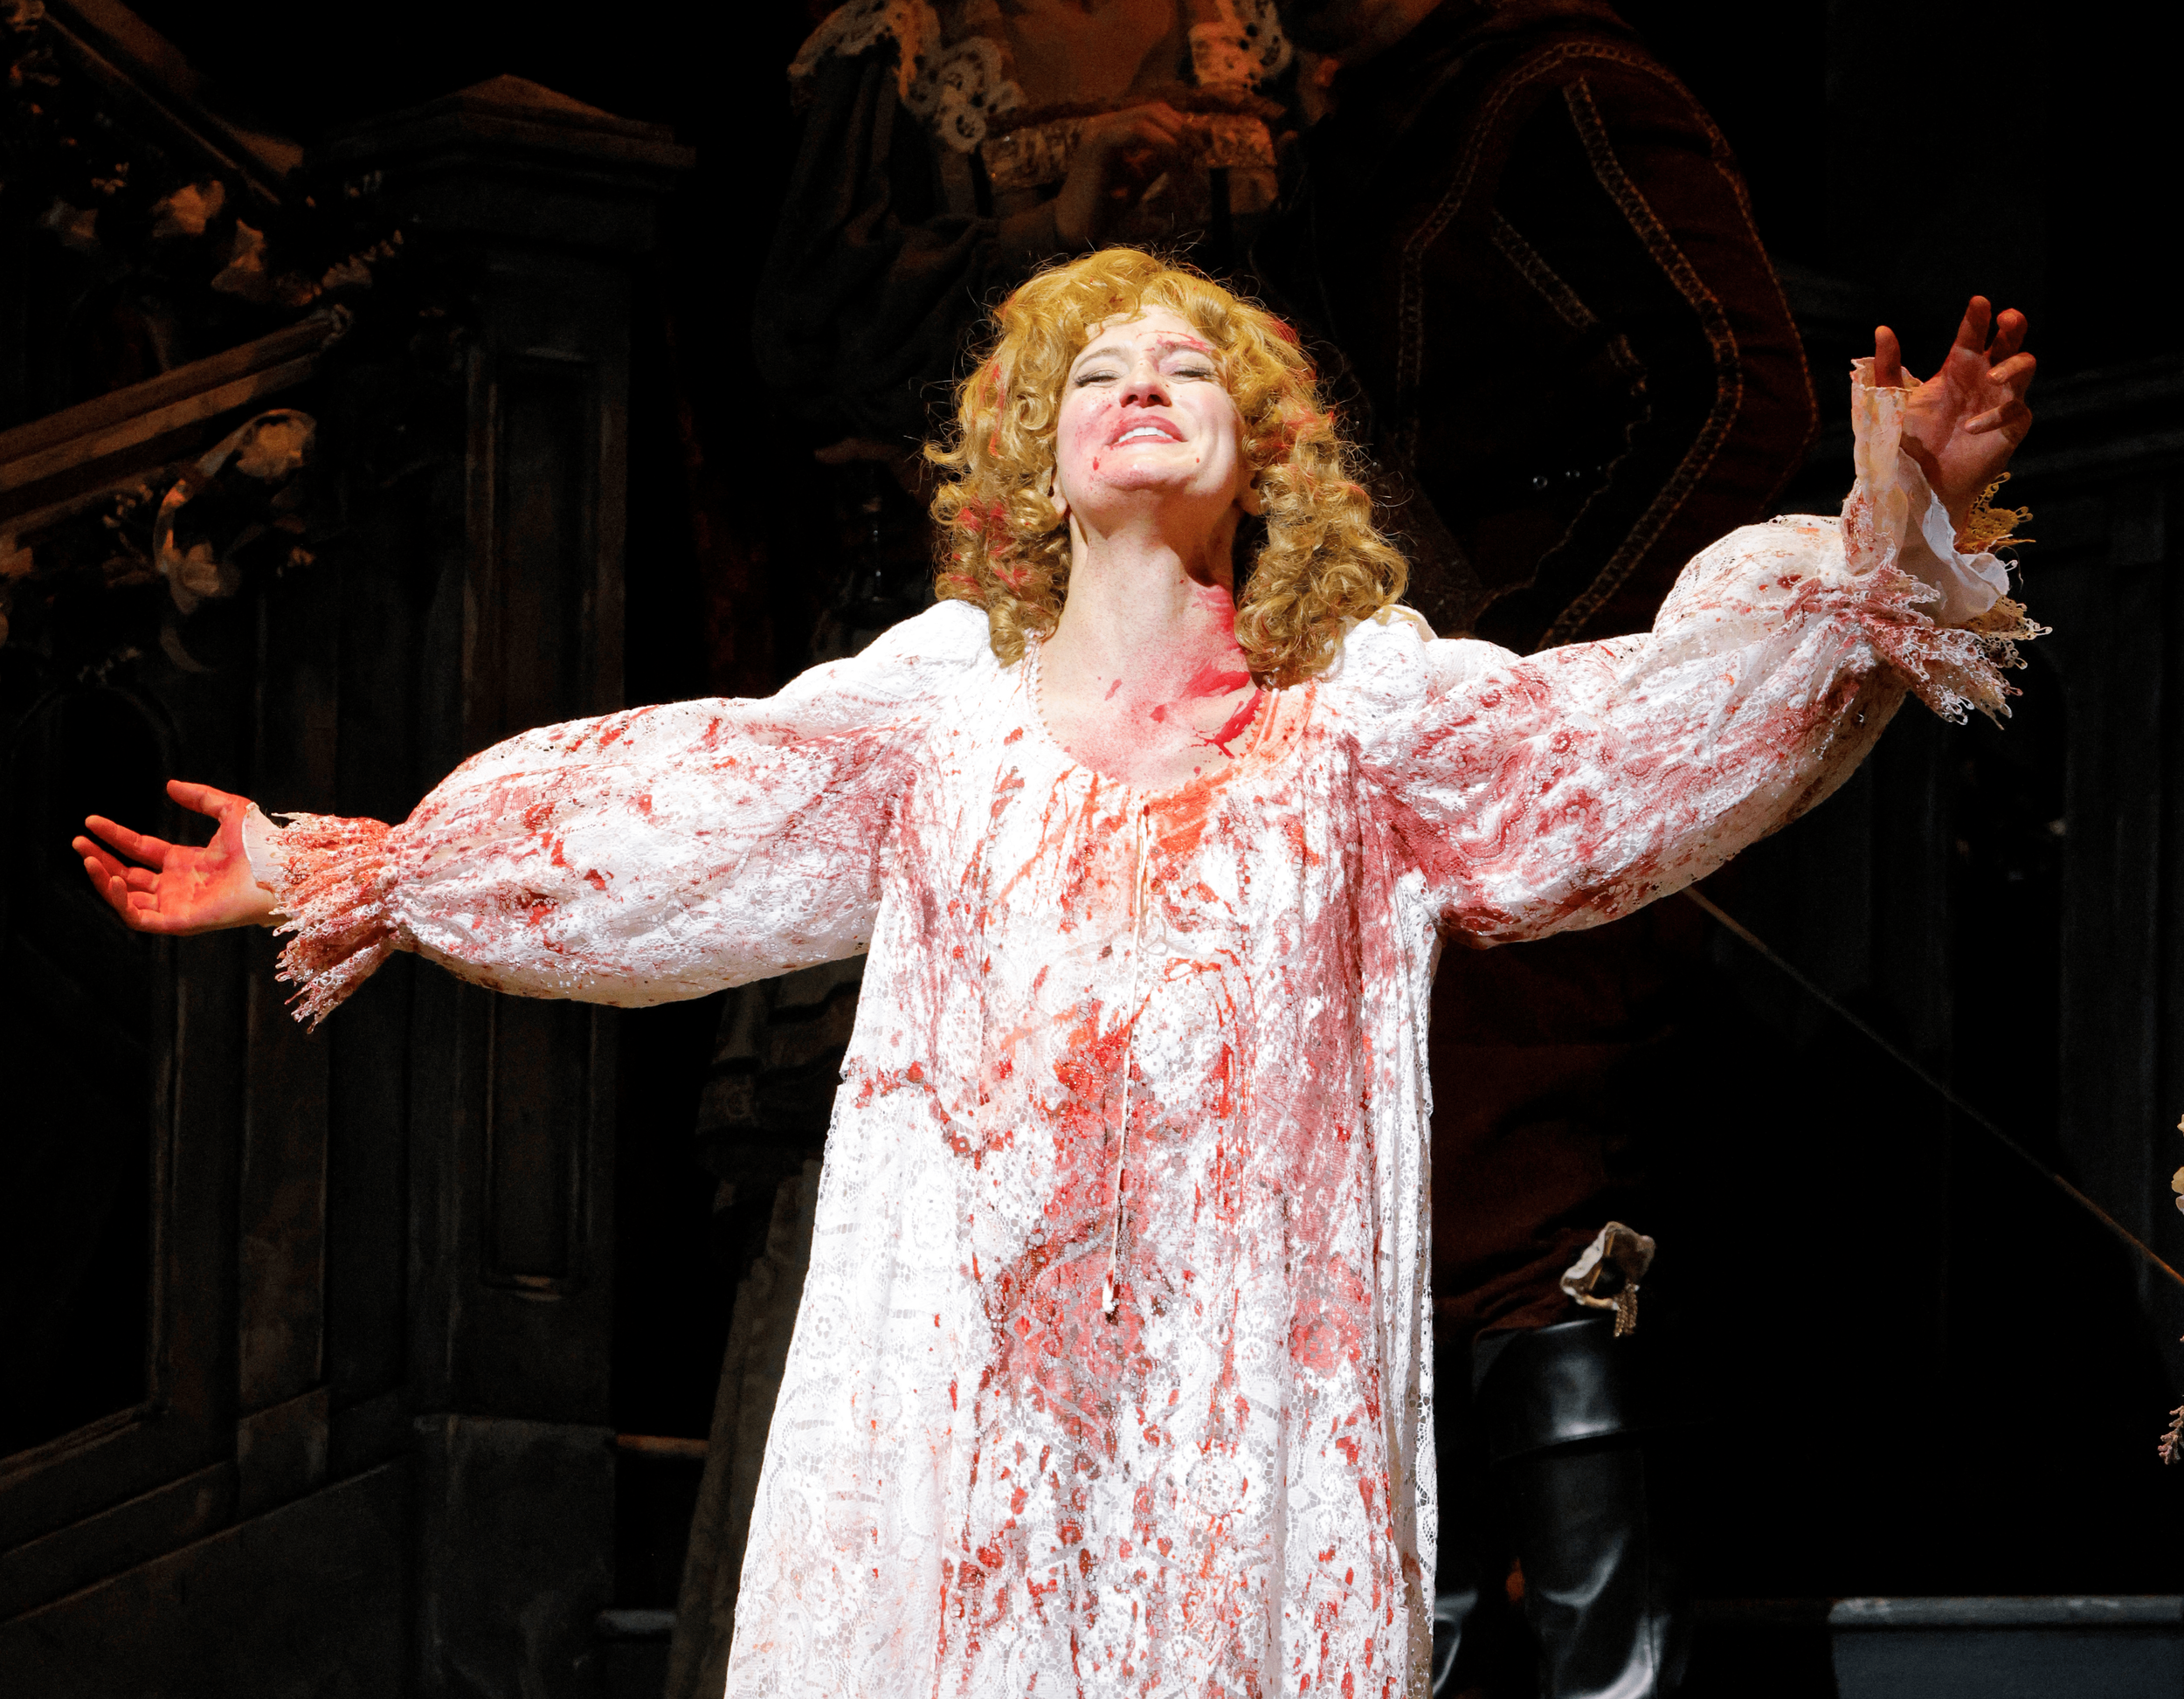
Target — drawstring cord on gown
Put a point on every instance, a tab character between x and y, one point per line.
1129	1039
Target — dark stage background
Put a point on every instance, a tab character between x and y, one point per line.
1920	1370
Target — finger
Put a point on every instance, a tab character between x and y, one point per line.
1971	332
140	912
2012	419
139	846
108	884
2015	373
203	799
95	853
1162	138
137	878
143	915
1888	359
2010	335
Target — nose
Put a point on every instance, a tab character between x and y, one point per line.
1144	386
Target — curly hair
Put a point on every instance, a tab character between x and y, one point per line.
1320	563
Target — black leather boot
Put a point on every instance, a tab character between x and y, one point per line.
1481	1645
1602	1589
1560	1423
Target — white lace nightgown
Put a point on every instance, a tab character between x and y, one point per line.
1184	1029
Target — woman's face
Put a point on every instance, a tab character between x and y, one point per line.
1146	419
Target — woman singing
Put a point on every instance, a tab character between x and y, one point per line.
1112	1374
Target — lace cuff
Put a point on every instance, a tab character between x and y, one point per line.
328	880
1893	517
261	848
1951	669
1941	617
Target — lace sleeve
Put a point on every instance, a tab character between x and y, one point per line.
653	854
1571	787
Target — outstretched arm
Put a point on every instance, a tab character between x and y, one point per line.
178	888
1574	786
658	854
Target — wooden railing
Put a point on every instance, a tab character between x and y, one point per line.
54	466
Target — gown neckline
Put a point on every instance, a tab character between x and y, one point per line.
1264	749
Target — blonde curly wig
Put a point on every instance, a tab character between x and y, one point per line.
1321	563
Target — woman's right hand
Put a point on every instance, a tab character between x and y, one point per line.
179	889
1963	423
1118	156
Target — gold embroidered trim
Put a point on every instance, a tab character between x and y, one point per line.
1988	528
1039	154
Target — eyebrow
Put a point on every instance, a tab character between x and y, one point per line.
1095	351
1166	345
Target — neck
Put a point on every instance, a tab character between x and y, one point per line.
1145	608
1144	679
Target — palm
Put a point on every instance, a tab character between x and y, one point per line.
179	887
1962	425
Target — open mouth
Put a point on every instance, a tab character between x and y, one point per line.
1157	433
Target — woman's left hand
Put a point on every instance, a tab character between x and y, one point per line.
1962	425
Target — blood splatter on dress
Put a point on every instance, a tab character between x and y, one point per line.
1173	1039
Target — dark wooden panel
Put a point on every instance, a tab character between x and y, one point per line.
187	1005
538	1135
364	1435
368	1054
562	330
525	1191
546	560
311	1599
511	1265
412	1210
281	1295
203	1104
367	1228
511	1162
76	1050
534	670
158	1520
281	1255
516	1545
280	1452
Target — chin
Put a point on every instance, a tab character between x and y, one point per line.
1144	477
